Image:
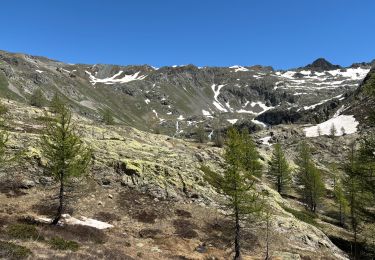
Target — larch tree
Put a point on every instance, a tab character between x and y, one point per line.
357	195
107	117
279	169
341	201
238	181
37	98
333	130
66	154
309	177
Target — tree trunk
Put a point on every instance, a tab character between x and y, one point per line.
61	204
237	247
355	244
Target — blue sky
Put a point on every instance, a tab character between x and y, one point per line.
280	33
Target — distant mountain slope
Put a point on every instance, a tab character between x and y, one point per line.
174	99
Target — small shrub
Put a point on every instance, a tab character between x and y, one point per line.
23	231
3	109
12	251
37	98
59	243
149	233
146	216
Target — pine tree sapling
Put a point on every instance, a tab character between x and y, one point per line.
107	117
37	98
333	130
66	154
238	181
279	169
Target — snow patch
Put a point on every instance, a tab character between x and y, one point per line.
114	80
266	140
346	122
147	101
39	71
232	121
216	89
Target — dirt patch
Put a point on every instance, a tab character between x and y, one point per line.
75	232
184	228
150	233
182	213
48	207
220	233
106	216
143	207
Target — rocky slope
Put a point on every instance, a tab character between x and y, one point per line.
174	99
150	188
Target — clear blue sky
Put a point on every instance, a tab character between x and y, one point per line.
280	33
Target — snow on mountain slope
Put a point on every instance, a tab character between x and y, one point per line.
344	124
141	95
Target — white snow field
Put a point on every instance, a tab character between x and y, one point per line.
348	123
114	79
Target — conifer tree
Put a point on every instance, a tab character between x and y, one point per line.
357	194
66	154
37	98
309	177
56	103
238	181
279	169
341	202
107	117
333	130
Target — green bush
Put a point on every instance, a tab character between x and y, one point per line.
23	231
12	251
59	243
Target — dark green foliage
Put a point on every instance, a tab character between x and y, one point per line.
37	98
309	177
59	243
23	231
107	117
279	170
66	154
238	181
12	251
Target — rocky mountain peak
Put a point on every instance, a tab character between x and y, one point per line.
322	64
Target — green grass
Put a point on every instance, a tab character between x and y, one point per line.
12	251
59	243
304	216
23	231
